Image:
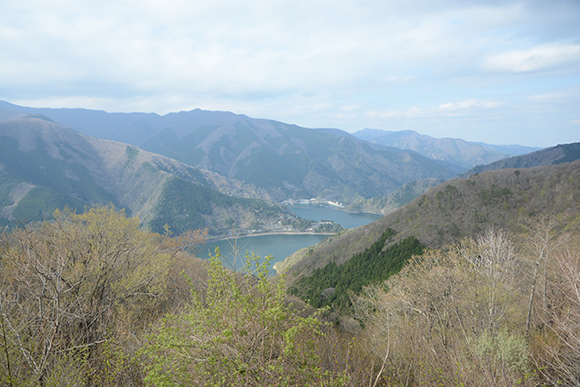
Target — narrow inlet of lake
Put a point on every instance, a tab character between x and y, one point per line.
280	246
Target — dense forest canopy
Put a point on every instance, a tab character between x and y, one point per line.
333	285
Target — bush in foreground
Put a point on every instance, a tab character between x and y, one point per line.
240	331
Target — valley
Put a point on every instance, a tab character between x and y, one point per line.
284	161
290	193
406	266
281	243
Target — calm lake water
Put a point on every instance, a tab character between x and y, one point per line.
281	246
324	212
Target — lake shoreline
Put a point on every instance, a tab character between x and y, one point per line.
268	233
364	212
281	241
336	206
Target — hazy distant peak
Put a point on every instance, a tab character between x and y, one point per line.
550	156
453	150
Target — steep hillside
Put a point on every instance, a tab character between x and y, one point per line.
404	194
44	166
558	154
286	160
397	198
453	150
459	208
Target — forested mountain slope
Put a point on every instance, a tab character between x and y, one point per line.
456	209
402	195
398	198
453	150
286	160
44	166
558	154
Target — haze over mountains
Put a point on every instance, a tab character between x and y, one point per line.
217	162
559	154
429	247
453	150
288	161
45	166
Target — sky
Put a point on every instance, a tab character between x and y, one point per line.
501	72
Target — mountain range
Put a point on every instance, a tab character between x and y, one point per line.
287	161
471	280
220	170
396	199
45	166
550	156
452	150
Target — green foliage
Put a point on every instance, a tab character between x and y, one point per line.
443	215
132	153
396	199
186	206
286	160
504	350
297	223
301	224
240	331
7	183
571	153
331	285
454	317
494	193
265	168
328	226
40	203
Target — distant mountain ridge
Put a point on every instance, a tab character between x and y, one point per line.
404	194
453	150
286	160
45	165
558	154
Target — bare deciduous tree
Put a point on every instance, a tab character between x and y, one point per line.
71	284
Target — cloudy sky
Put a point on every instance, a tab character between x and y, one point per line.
501	72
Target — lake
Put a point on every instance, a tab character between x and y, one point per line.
324	212
282	245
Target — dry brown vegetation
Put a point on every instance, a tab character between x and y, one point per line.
489	311
73	287
92	300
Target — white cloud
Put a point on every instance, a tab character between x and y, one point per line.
384	114
449	109
351	108
545	97
538	58
468	104
228	47
338	63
